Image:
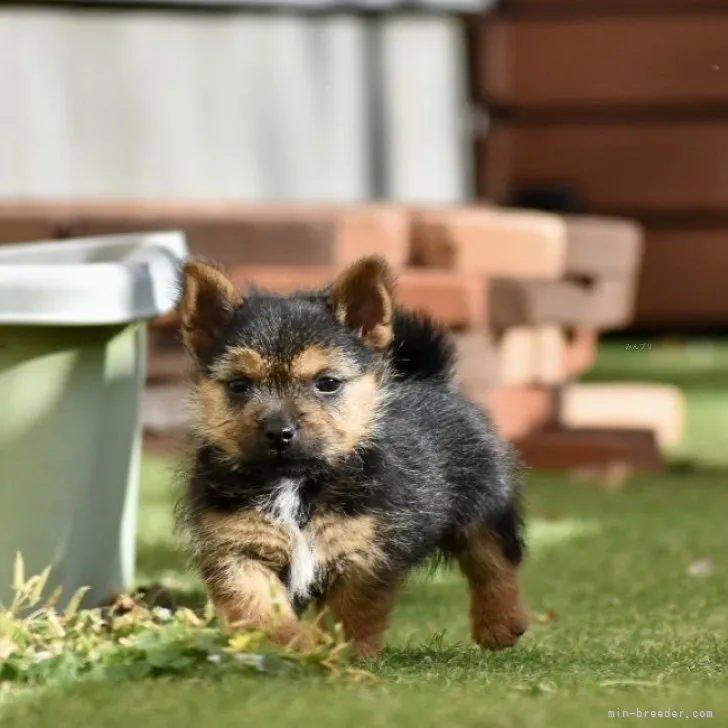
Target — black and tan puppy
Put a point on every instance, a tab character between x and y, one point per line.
334	454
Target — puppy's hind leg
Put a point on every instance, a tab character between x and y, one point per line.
489	557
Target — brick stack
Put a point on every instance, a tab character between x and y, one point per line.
525	295
554	283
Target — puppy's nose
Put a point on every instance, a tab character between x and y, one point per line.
279	432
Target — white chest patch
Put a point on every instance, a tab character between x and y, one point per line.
285	508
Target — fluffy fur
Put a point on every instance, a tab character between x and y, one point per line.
393	467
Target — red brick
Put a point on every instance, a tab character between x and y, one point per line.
517	411
489	241
581	351
166	359
167	366
235	234
455	300
23	222
567	449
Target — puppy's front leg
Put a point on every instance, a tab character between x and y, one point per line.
248	595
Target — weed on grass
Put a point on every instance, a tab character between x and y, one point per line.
40	645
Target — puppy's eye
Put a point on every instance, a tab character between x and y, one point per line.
327	385
237	386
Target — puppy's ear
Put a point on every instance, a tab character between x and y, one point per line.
209	299
362	297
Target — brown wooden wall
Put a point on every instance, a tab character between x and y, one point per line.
616	108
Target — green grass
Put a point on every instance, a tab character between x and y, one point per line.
620	623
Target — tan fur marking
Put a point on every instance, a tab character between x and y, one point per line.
311	362
241	361
382	334
363	607
497	612
247	531
342	428
215	423
316	360
349	540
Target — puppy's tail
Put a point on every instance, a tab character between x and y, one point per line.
421	349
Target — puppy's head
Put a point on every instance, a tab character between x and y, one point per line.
286	382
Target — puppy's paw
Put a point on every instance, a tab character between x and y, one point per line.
498	630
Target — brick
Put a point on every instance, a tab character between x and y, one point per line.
167	366
601	303
603	246
581	351
455	300
235	234
523	360
489	241
24	222
657	407
168	443
517	411
532	355
569	449
164	409
477	368
166	359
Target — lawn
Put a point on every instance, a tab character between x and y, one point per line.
621	619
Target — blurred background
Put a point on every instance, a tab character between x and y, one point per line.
548	177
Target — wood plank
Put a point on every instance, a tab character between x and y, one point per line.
683	279
580	8
518	411
602	303
675	60
569	449
489	241
613	169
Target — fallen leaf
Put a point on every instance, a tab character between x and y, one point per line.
7	647
701	568
546	617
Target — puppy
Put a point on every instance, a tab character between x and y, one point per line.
334	453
